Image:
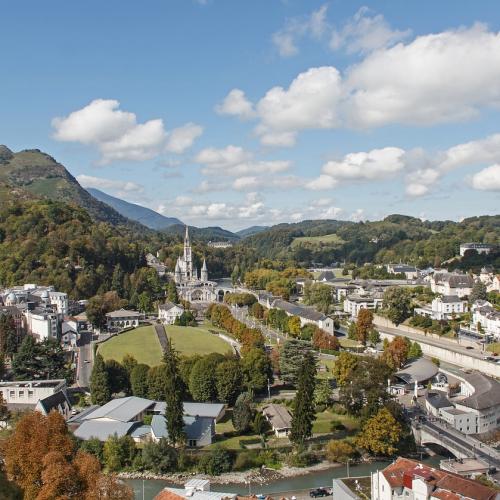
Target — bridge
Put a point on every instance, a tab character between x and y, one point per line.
461	446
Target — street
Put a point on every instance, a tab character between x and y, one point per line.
85	359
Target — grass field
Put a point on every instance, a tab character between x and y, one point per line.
327	239
328	364
346	343
142	343
495	347
325	419
196	340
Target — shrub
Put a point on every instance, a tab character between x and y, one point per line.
218	461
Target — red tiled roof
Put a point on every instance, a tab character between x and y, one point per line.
447	486
168	495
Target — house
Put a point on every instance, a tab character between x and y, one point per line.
481	248
484	314
279	419
410	272
355	302
194	489
42	323
452	284
55	402
209	410
122	318
125	416
445	307
342	290
169	312
406	478
325	276
25	394
307	315
220	244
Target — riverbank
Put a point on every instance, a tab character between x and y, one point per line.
258	476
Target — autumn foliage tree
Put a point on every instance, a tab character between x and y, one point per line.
380	434
364	324
323	340
396	353
41	458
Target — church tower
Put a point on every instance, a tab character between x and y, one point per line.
188	259
204	272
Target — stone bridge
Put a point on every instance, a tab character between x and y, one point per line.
425	435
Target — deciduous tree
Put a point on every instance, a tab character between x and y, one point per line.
364	324
339	450
343	367
396	353
397	302
228	380
380	434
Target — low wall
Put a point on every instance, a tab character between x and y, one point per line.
453	357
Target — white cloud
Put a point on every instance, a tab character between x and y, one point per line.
420	181
364	33
88	181
371	165
309	102
358	215
182	138
223	158
236	104
183	201
286	39
487	179
474	152
422	82
118	136
253	182
426	81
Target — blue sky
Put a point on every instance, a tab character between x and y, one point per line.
239	112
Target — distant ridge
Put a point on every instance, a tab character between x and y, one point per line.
138	213
249	231
203	233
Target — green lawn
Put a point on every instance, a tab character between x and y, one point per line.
328	364
495	347
324	420
142	343
346	343
190	340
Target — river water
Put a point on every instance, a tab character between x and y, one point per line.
312	480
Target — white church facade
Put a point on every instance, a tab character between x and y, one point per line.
191	286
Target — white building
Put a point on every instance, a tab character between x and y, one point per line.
483	248
410	272
487	316
307	315
42	323
169	312
445	307
355	302
411	480
452	284
122	318
26	393
220	244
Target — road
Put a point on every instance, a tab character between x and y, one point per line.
84	354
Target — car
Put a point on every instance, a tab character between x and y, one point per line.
318	492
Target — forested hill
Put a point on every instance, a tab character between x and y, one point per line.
213	233
396	238
41	175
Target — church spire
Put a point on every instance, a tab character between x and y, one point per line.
186	237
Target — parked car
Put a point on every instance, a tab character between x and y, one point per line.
319	492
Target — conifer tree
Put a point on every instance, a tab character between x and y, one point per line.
174	411
100	390
304	414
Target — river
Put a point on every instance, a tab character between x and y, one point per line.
312	480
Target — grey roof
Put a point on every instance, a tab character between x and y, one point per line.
449	299
141	431
122	409
455	280
403	268
301	311
54	402
486	391
438	400
418	370
326	275
278	415
103	429
80	417
195	495
123	313
168	305
194	427
212	410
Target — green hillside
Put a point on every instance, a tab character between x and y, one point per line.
38	173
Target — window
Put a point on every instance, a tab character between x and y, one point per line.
31	394
12	394
192	443
21	394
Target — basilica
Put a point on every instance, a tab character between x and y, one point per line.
190	285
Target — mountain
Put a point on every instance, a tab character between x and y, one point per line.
40	175
250	231
144	215
203	233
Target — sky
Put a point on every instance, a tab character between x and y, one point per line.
244	112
